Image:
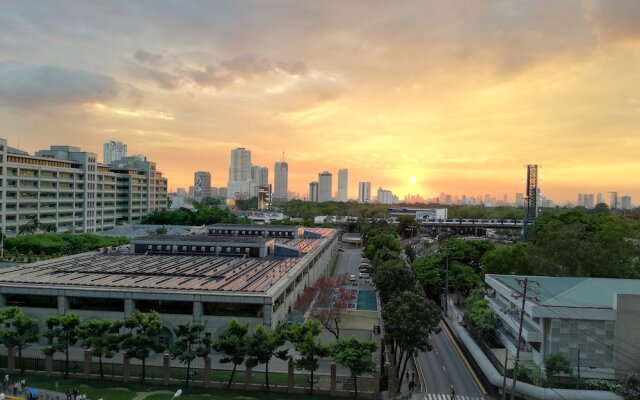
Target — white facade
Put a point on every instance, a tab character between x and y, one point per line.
65	188
625	202
386	197
259	177
113	151
240	184
343	184
280	181
364	192
324	186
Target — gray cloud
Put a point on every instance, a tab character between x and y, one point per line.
145	57
210	77
50	84
165	80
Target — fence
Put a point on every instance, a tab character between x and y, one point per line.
278	381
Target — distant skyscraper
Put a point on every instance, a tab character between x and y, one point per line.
588	200
113	151
280	181
518	201
580	202
259	177
201	185
324	186
613	202
531	211
343	184
625	202
239	185
313	191
364	192
386	197
600	198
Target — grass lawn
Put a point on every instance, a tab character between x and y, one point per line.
112	390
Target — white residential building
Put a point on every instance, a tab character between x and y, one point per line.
112	151
364	192
324	187
280	181
343	184
67	190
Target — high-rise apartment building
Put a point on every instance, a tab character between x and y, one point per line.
67	189
343	184
625	202
364	192
531	211
386	197
240	184
324	186
313	191
280	181
600	198
112	151
259	178
589	201
201	185
580	202
519	198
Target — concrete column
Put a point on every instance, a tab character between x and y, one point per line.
128	307
87	364
48	365
166	369
290	376
206	372
62	305
267	314
125	369
197	311
333	379
11	356
247	378
376	384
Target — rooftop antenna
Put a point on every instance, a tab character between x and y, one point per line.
282	155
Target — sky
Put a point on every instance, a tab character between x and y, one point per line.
459	95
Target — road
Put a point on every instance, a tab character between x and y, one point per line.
444	367
349	262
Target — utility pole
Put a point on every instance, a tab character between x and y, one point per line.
446	287
504	374
525	284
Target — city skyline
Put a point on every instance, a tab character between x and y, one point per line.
438	93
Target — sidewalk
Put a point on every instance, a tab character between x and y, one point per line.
414	375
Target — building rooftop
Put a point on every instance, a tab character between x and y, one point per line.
575	292
152	272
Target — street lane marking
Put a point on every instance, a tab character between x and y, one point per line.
440	396
464	360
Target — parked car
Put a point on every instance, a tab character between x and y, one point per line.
352	278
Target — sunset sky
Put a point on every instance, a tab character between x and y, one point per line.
460	95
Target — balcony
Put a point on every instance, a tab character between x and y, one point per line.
511	317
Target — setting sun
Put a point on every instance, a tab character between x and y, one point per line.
412	180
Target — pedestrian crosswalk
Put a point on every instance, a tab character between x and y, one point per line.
436	396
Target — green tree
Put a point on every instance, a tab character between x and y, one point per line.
430	273
101	337
17	330
483	319
409	319
556	363
190	344
392	278
516	259
354	354
407	227
262	346
463	278
162	230
62	332
305	340
140	339
382	241
232	342
410	252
